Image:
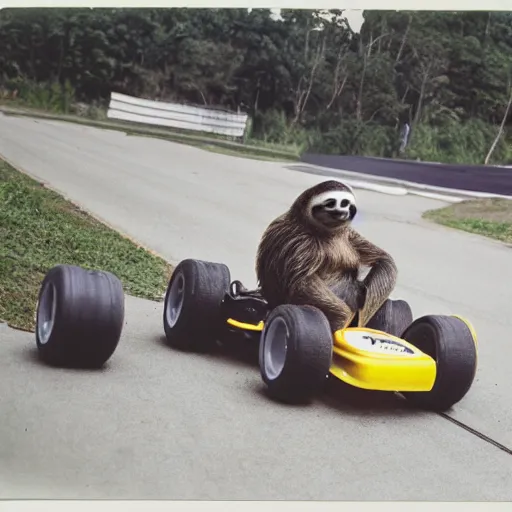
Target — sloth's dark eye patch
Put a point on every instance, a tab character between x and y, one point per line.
344	203
331	203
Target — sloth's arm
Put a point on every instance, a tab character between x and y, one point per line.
380	281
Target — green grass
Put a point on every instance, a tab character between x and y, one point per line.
230	152
40	229
241	152
208	141
488	217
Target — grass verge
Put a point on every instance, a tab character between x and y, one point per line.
40	229
204	141
230	152
488	217
218	148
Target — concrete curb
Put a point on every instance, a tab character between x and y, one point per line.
393	186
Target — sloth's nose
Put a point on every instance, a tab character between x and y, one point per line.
339	213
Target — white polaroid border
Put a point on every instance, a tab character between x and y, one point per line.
399	5
253	506
245	506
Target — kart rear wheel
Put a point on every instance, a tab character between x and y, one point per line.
192	304
452	343
393	318
295	352
79	317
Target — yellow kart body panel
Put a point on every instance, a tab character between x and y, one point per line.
246	327
371	359
374	360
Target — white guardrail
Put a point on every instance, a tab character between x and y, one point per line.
174	115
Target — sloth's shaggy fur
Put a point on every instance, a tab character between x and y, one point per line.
311	255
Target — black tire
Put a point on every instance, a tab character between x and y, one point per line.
393	318
303	367
79	318
452	344
204	285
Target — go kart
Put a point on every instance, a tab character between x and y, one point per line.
431	361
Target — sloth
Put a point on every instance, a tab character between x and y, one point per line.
312	256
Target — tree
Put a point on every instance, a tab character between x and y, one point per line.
305	78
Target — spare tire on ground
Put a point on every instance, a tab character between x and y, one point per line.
80	317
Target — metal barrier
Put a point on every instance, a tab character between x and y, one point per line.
174	115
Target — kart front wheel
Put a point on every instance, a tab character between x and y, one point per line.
193	302
295	352
452	343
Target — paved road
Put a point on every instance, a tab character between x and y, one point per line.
158	424
474	178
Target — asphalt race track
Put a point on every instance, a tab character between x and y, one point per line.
474	178
158	424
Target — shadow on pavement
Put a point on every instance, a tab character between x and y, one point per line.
344	398
31	356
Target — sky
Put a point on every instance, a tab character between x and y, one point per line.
354	18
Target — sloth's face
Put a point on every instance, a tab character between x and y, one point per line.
334	209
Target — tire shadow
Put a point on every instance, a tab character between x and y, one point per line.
244	354
348	401
362	402
31	356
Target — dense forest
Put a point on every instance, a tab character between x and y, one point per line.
305	78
